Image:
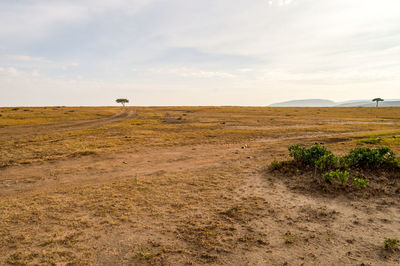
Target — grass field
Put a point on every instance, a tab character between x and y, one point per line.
186	185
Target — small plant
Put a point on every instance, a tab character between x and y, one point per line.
284	167
288	238
143	254
390	243
329	177
360	182
275	166
342	177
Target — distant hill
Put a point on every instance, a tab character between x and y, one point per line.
370	104
358	103
305	103
329	103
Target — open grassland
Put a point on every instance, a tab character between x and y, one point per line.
41	115
187	185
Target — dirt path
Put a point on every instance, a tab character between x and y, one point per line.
113	166
13	132
320	122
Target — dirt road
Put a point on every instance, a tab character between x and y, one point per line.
15	132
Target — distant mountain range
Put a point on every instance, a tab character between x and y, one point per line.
329	103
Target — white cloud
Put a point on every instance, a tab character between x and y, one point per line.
37	62
27	58
190	72
8	71
280	2
229	49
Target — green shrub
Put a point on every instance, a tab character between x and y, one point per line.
297	153
360	182
308	157
372	158
340	176
327	162
390	243
329	177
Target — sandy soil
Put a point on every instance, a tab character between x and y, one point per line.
225	210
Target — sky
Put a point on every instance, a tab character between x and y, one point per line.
186	52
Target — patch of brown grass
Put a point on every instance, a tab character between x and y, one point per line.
198	125
59	226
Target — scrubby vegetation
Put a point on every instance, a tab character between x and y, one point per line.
338	175
345	170
390	243
366	158
360	182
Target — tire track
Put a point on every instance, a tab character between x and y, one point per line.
15	132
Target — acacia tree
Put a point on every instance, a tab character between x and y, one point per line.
377	100
122	101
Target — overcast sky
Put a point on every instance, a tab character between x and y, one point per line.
203	52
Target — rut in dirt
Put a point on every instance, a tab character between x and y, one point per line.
13	132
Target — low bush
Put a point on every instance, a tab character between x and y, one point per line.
367	158
332	168
390	243
327	162
309	157
360	182
320	157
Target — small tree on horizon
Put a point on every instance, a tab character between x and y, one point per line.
122	101
377	100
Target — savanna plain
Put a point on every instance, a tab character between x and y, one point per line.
197	185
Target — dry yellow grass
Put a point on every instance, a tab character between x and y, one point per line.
188	126
172	184
40	115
